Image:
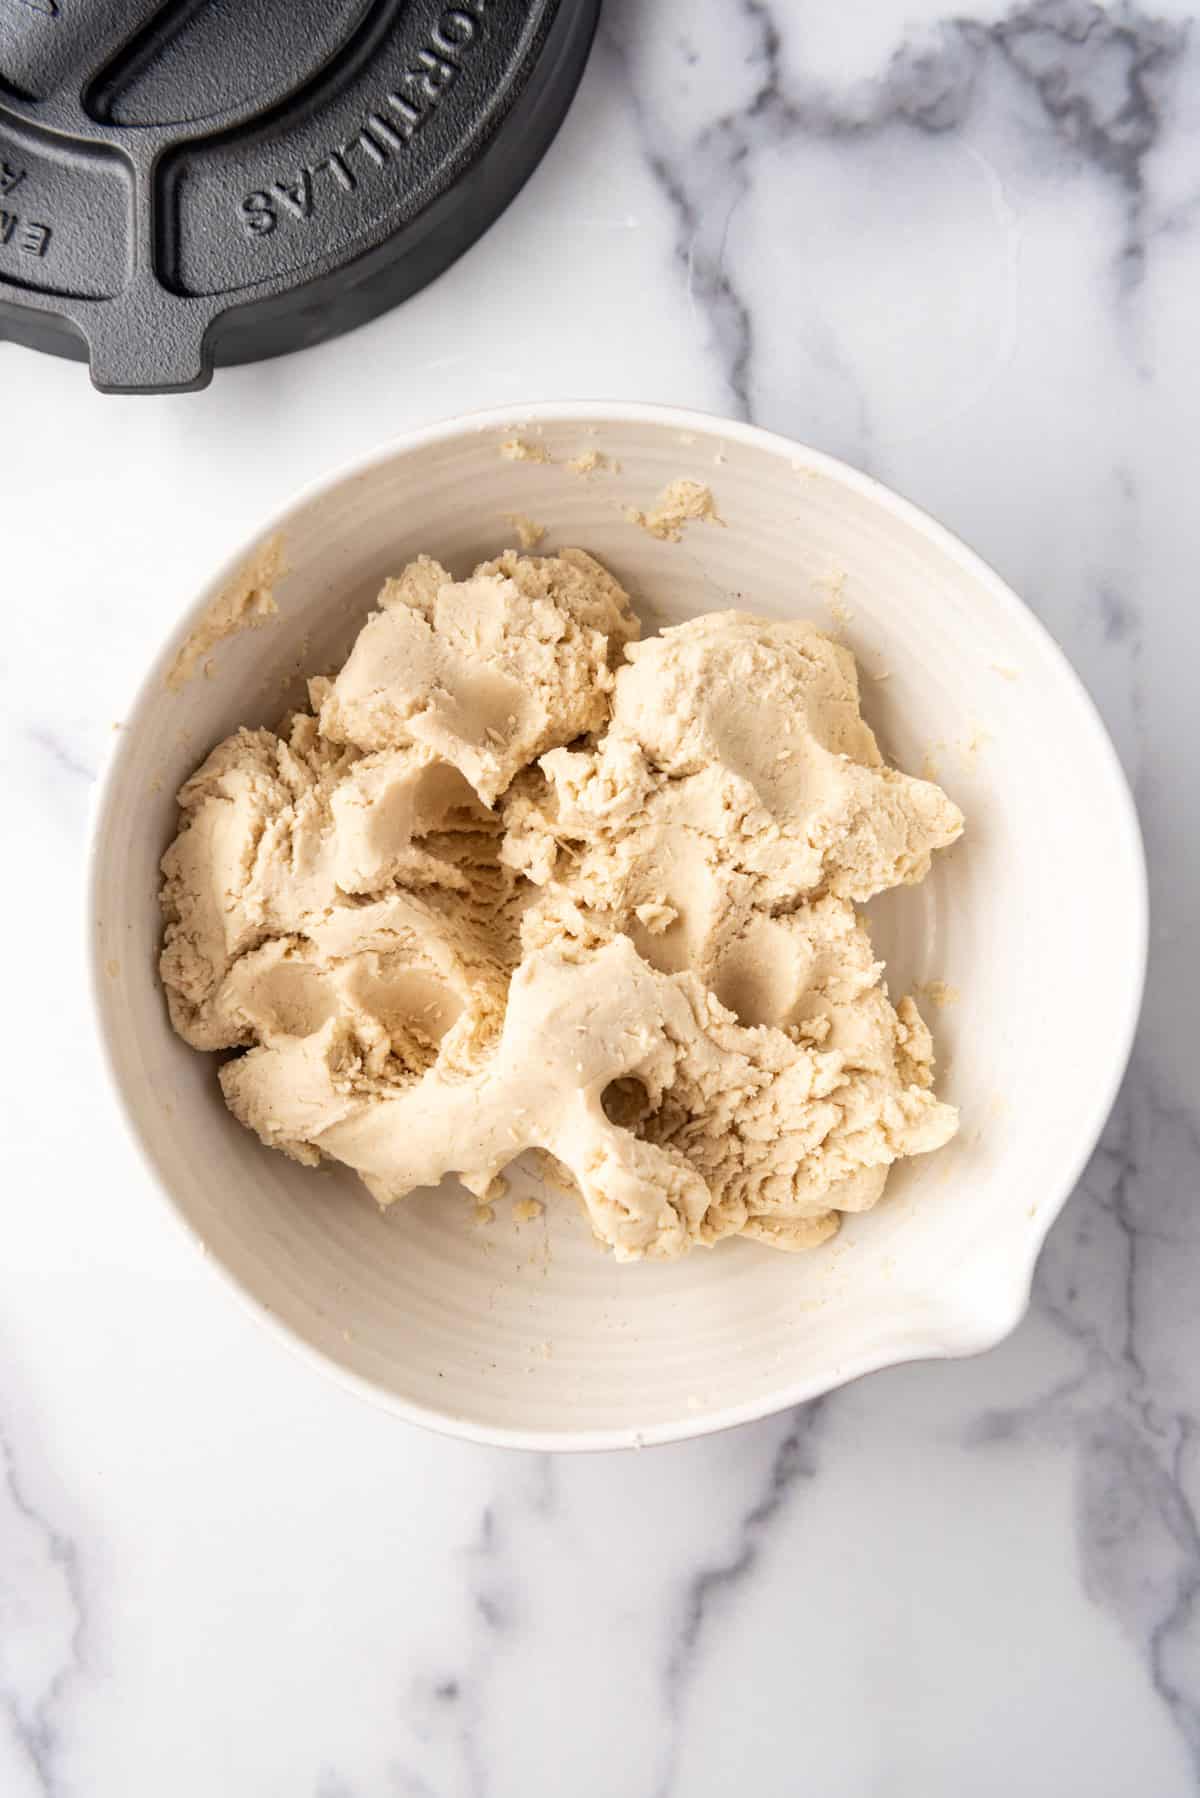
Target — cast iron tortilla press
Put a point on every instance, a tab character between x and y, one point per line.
186	183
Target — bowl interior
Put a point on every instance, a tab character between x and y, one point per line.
529	1332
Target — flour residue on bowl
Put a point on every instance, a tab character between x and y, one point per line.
247	602
529	532
939	993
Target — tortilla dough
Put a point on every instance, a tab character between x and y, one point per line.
519	881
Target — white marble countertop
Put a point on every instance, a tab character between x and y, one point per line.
960	248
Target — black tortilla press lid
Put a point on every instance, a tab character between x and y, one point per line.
192	182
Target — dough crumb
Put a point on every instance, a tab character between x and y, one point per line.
1006	673
529	532
518	449
835	589
939	993
655	915
247	602
593	462
525	1210
680	503
113	969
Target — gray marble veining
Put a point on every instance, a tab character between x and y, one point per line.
43	1615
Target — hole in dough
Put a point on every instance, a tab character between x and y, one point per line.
409	1001
626	1102
293	1000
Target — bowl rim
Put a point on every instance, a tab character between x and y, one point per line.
948	1335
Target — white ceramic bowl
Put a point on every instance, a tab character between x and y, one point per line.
530	1335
